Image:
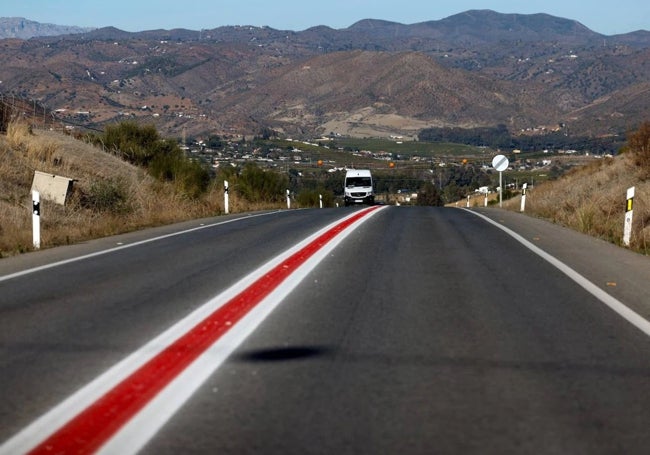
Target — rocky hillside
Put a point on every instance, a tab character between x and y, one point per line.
478	68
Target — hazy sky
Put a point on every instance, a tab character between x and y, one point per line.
606	17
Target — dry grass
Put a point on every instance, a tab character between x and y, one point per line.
147	202
592	200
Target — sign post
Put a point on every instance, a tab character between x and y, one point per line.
629	212
36	219
500	163
225	197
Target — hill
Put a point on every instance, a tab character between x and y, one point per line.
477	68
485	27
366	93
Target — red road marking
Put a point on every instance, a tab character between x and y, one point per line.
93	427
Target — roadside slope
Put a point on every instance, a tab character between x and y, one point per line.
109	195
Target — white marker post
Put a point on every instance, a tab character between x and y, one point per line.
500	163
320	200
627	230
288	200
523	197
468	196
225	197
36	219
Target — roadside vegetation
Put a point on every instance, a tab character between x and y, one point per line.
128	177
592	199
142	146
133	179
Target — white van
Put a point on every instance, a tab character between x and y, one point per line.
358	187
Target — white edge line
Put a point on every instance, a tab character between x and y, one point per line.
619	307
123	247
45	425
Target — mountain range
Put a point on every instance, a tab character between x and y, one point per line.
19	27
479	68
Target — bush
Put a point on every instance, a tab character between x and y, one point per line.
429	195
163	158
134	143
639	145
311	198
192	179
170	164
256	185
6	115
107	196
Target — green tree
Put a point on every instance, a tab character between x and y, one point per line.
214	142
190	177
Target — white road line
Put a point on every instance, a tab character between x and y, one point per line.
134	435
145	424
619	307
123	247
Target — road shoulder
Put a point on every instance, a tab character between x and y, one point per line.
621	273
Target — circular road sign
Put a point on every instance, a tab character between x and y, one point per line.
500	163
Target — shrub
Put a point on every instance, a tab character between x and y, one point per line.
142	146
6	114
311	198
107	196
639	145
18	132
256	185
429	195
167	162
134	143
170	164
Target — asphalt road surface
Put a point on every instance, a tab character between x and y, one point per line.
425	330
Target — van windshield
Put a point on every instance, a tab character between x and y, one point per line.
351	182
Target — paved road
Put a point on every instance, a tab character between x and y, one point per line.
427	330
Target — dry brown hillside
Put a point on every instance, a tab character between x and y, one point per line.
592	200
109	196
364	93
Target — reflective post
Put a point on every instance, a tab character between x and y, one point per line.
36	219
225	197
629	212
